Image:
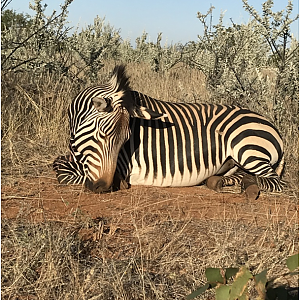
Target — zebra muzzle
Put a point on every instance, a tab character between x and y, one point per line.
99	186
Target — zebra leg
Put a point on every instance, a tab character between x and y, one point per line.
249	185
267	179
270	182
234	179
252	184
68	171
216	182
227	166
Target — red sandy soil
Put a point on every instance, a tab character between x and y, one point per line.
42	198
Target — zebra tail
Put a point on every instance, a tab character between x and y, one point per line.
280	166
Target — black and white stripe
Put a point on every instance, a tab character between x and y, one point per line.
194	141
152	142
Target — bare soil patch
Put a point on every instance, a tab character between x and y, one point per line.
42	198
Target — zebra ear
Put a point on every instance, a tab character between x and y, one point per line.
146	113
102	104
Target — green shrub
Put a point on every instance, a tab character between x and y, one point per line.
238	289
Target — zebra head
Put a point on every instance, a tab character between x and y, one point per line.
99	124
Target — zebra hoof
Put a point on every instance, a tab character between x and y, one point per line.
252	192
214	183
249	185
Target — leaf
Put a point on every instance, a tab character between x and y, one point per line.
214	276
240	283
292	262
230	272
261	277
244	296
198	292
223	292
260	283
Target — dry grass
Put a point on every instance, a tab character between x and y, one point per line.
148	254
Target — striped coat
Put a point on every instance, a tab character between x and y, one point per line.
121	137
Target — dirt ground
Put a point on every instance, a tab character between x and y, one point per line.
42	198
178	231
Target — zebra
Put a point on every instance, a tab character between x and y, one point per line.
120	137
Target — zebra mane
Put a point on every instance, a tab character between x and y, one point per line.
119	79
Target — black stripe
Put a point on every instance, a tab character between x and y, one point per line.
170	139
210	112
153	128
187	137
205	106
259	162
158	136
260	133
262	166
244	120
176	119
212	134
95	153
126	152
220	148
218	119
253	147
233	116
162	142
145	125
196	138
144	101
88	136
123	164
219	109
136	130
204	140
